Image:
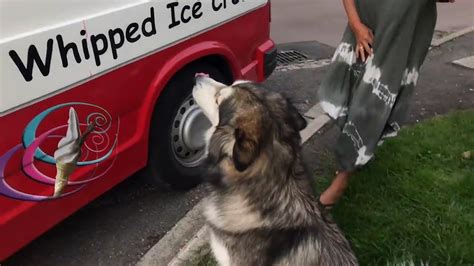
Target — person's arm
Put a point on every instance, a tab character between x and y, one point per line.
364	36
351	12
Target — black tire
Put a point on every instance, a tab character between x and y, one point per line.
162	162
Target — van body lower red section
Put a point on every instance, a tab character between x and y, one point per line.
129	94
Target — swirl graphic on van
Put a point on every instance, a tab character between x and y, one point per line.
82	145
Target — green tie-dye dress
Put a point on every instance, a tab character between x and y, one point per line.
369	100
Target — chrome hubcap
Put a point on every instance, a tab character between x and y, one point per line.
187	135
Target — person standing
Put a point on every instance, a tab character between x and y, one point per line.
372	77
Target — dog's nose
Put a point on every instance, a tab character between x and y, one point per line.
200	75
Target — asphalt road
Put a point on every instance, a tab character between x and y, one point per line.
119	227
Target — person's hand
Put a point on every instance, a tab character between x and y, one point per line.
364	40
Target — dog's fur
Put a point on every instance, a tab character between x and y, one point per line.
261	209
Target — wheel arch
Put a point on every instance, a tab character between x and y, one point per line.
206	53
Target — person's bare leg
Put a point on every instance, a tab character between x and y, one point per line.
332	194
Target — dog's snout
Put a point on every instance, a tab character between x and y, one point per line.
198	76
202	75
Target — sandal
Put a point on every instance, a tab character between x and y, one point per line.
325	207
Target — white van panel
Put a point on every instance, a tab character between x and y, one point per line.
67	67
18	17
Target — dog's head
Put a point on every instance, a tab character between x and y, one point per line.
247	123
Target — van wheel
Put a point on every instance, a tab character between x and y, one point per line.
176	138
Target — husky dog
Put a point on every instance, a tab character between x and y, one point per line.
261	209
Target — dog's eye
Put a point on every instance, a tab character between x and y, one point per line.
219	97
223	94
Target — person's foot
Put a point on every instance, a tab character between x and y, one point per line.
330	197
335	191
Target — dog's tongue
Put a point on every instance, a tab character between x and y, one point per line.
201	75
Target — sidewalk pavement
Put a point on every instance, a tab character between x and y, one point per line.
325	20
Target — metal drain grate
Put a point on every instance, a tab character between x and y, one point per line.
285	58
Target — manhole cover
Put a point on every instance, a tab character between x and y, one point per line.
289	57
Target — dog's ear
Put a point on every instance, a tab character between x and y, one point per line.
297	118
300	121
245	150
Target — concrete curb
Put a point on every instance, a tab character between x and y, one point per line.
467	62
452	36
185	230
194	249
316	120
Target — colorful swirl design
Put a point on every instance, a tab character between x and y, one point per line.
99	141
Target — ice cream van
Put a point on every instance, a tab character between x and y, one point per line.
92	91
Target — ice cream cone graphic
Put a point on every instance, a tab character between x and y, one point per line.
68	153
63	172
